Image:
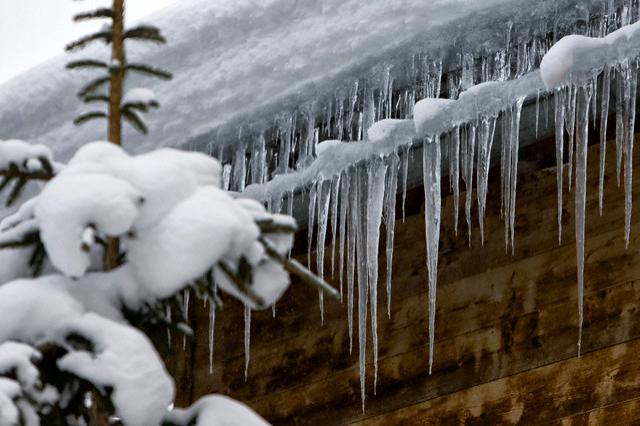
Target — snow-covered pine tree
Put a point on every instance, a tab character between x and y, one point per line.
72	332
113	73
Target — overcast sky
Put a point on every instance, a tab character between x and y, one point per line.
32	31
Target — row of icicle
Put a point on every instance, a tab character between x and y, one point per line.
354	203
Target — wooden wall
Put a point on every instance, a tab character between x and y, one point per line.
506	325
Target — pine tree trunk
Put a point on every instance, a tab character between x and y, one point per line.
112	252
117	77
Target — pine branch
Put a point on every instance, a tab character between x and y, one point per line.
105	36
100	13
241	285
294	267
140	106
93	86
145	32
26	240
36	262
135	121
16	191
9	175
87	63
148	70
96	98
269	226
93	115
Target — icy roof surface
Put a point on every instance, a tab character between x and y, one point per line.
239	60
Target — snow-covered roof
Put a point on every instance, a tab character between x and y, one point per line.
242	61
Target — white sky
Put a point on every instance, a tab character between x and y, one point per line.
32	31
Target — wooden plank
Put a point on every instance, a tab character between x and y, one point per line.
622	413
535	396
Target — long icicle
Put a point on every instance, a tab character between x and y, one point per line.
212	328
313	195
619	123
514	141
631	83
559	118
324	198
468	157
335	191
361	237
454	174
247	340
582	142
485	143
405	172
431	175
570	123
344	203
390	215
604	115
377	170
351	253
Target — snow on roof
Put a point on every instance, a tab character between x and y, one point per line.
242	61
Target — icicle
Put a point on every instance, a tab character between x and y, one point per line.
351	254
505	164
570	122
239	167
324	197
390	215
344	203
468	69
247	340
631	83
361	237
604	115
620	126
431	172
405	172
286	139
537	111
376	172
582	142
469	157
454	174
212	325
226	176
335	190
290	199
485	142
168	315
515	145
185	307
258	160
313	195
559	119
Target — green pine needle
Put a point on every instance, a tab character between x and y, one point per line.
148	70
93	86
145	32
135	121
100	13
88	116
87	63
105	36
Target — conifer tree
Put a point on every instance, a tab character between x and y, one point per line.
112	77
113	73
